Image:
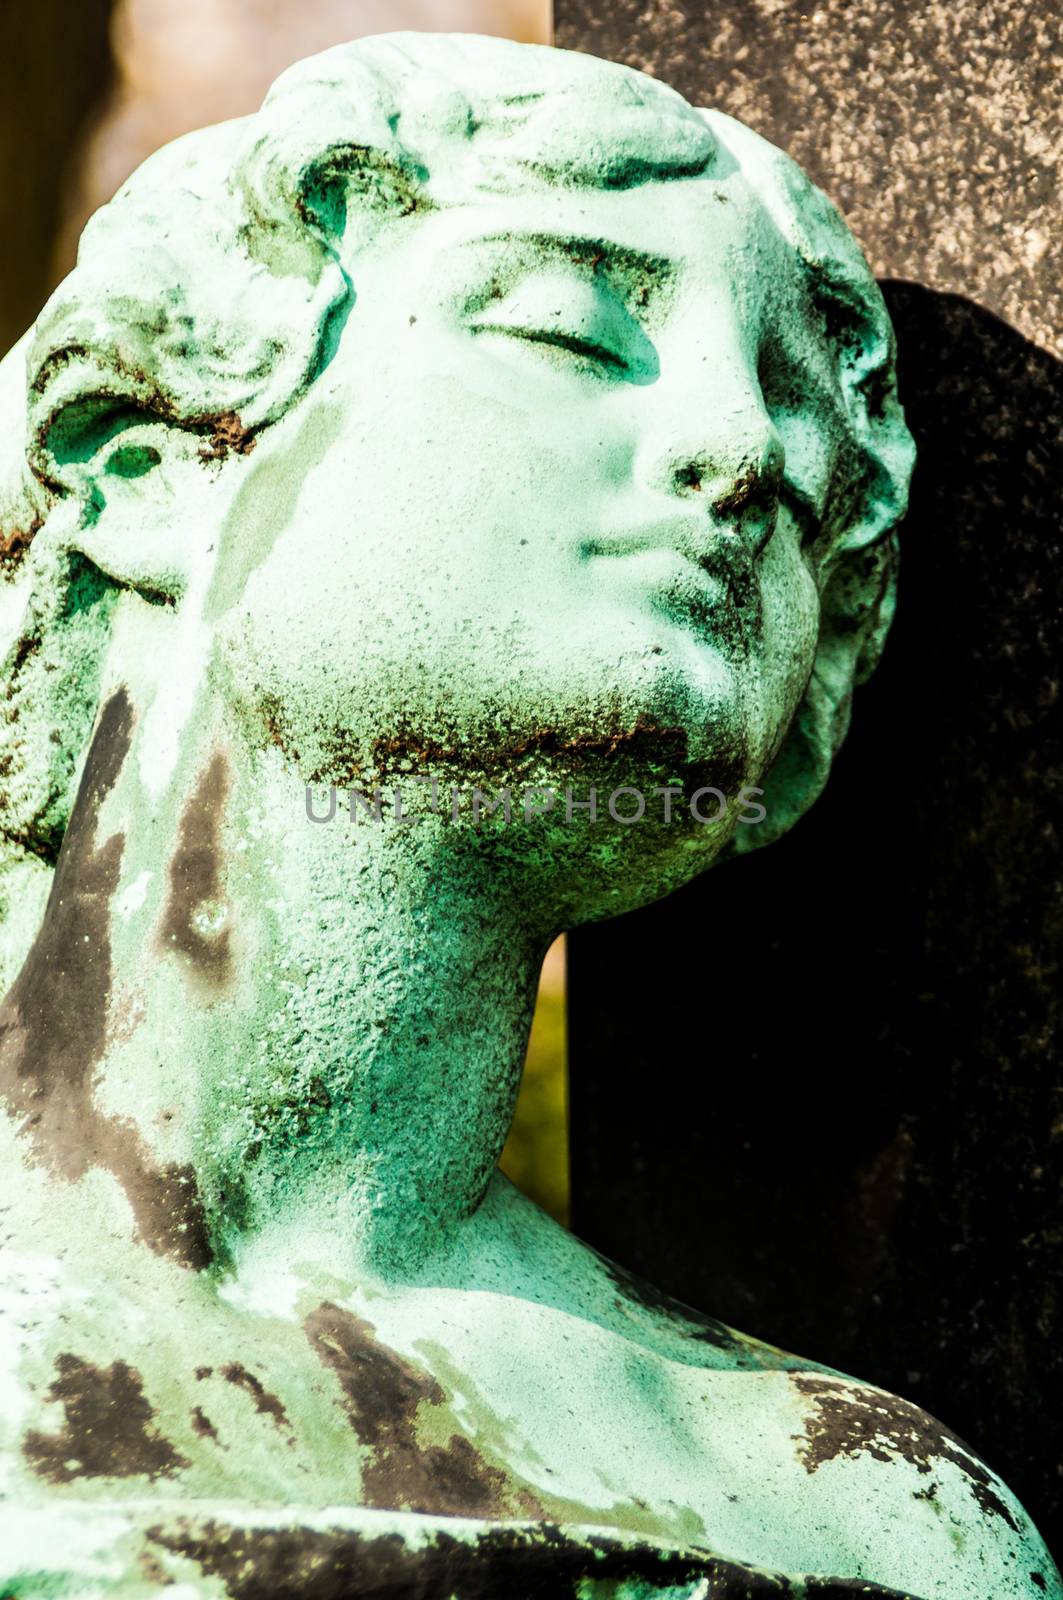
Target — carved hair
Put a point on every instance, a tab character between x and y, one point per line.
212	290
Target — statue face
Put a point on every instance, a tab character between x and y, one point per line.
509	479
540	490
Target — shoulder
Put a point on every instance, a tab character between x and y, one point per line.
925	1512
899	1498
685	1334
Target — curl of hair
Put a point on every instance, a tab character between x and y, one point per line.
869	492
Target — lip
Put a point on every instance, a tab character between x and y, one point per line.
715	552
695	573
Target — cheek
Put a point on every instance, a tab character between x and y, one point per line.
476	433
791	631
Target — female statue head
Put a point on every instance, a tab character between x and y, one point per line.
473	407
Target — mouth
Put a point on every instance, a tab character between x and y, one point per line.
716	552
693	573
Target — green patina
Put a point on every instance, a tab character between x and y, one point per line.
474	411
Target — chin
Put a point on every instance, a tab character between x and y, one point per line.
646	863
639	844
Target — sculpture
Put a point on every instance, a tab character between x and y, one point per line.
477	413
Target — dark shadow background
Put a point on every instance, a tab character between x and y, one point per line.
816	1093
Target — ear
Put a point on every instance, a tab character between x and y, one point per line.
137	488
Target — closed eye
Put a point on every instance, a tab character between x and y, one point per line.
575	322
587	348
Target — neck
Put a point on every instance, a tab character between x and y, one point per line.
277	1035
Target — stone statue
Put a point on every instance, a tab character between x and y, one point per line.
476	419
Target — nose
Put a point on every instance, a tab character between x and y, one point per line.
730	481
711	442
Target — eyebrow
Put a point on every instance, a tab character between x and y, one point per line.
618	260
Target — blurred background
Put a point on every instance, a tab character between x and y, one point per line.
88	89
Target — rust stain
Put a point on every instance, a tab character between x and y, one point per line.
541	1559
136	390
658	750
227	433
265	1403
383	1395
195	879
846	1421
14	542
664	746
53	1023
109	1430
